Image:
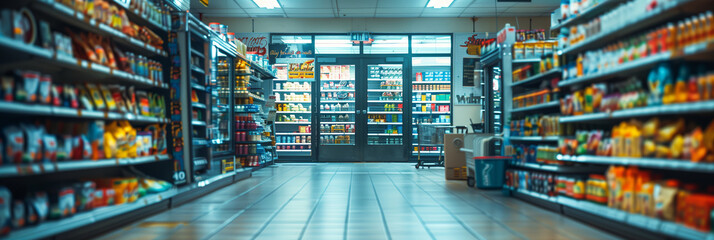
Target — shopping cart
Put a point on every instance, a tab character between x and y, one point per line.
431	136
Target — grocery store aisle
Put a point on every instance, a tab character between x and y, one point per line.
355	201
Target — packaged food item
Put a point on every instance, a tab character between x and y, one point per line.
84	195
5	211
85	99
665	194
26	90
38	207
14	141
62	203
8	85
18	214
103	197
95	95
49	147
698	209
95	136
116	94
108	98
33	143
69	95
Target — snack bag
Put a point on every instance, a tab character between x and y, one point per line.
14	144
5	213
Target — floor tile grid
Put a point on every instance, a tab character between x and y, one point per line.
285	178
229	220
380	201
394	189
365	219
493	196
461	223
265	225
314	209
327	220
435	177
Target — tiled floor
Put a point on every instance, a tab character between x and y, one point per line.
355	201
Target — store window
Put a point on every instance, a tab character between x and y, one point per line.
431	44
292	39
340	44
388	44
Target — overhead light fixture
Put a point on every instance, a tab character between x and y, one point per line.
439	3
269	4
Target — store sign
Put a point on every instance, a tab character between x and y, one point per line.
282	50
257	43
304	69
474	43
466	77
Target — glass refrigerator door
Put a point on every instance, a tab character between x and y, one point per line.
221	104
385	104
431	96
293	102
496	105
337	105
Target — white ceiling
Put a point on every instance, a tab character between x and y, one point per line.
373	8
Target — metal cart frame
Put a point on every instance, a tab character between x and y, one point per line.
431	136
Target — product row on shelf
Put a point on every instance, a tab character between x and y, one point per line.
652	200
85	86
628	88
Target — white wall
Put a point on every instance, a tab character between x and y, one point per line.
377	25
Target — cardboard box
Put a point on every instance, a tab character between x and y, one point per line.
453	156
458	173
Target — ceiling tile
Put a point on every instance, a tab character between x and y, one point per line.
449	10
247	3
306	3
357	10
491	3
357	15
225	15
397	15
308	10
402	3
529	10
264	11
462	3
540	3
314	15
356	3
440	15
399	10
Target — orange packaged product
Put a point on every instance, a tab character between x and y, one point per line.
698	208
681	204
646	199
628	190
641	179
615	178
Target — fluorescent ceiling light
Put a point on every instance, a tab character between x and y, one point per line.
296	41
437	3
269	4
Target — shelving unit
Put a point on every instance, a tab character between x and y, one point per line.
85	124
255	154
630	225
